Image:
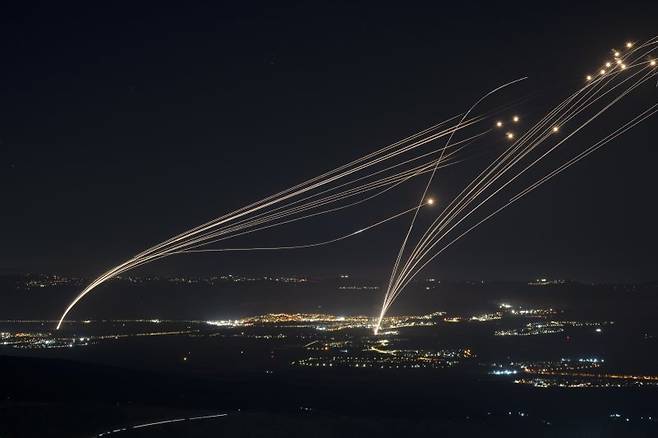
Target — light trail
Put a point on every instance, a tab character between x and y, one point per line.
208	231
315	244
409	274
429	182
653	110
582	100
382	171
160	423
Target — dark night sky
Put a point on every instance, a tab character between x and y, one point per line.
122	125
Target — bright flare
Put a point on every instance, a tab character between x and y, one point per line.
556	128
499	124
510	135
515	119
629	45
430	201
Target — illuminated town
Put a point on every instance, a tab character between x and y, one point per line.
320	340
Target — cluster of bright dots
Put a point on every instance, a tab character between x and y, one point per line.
618	61
508	134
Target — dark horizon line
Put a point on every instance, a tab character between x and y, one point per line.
550	281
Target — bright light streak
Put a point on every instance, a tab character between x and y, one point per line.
590	102
357	182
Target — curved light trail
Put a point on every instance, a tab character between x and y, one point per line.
389	168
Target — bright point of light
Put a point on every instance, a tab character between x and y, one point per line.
510	135
608	64
499	124
588	77
602	72
515	119
653	63
504	372
629	45
619	61
430	201
556	128
598	330
623	66
617	54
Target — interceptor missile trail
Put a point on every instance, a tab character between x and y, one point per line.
429	181
429	201
590	102
387	169
356	182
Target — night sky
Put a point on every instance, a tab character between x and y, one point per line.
121	125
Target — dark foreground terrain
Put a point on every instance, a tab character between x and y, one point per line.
57	398
113	378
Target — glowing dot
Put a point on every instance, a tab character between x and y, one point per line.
608	64
510	135
430	201
653	63
588	77
499	124
556	128
515	119
623	66
619	61
617	54
602	72
629	45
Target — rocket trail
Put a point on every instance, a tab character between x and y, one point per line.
305	200
502	182
606	90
